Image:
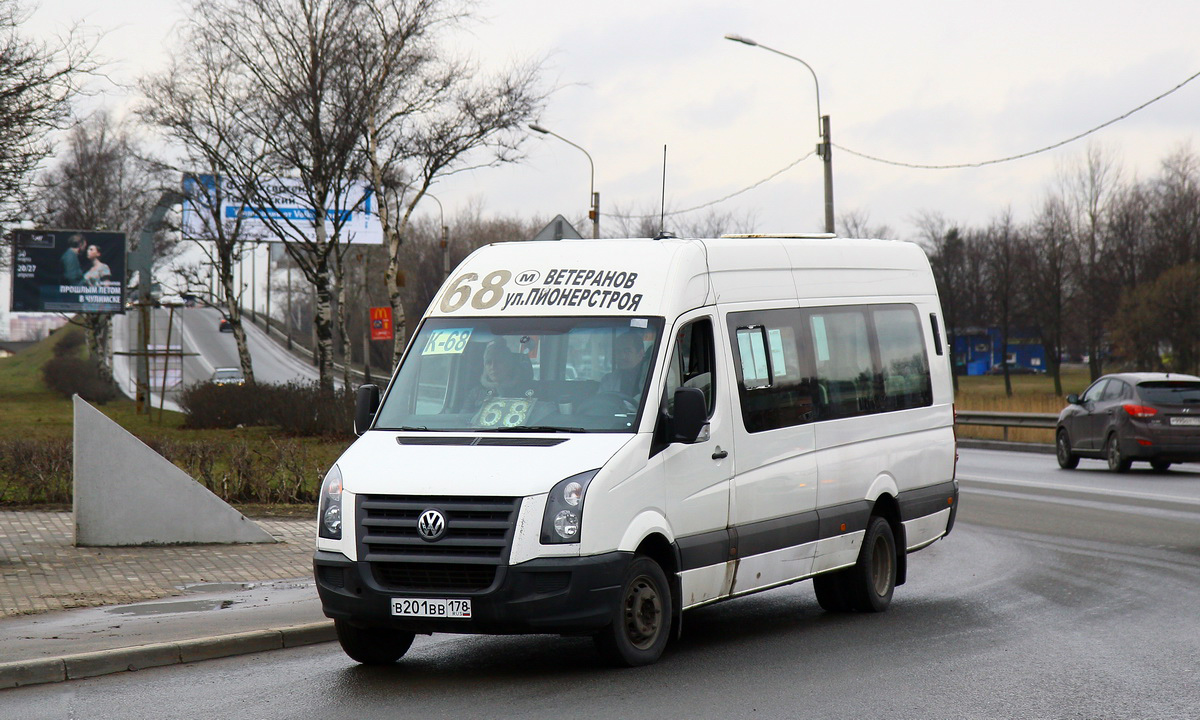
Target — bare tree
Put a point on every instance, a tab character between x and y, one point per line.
857	224
948	258
1088	189
37	83
295	96
100	183
649	222
1048	283
1174	210
189	103
426	118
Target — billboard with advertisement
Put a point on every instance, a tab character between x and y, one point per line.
69	271
356	208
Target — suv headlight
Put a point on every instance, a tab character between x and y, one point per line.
329	510
563	519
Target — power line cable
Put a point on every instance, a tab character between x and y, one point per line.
920	166
732	195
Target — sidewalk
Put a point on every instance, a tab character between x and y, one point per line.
68	612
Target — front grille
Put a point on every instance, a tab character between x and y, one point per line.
433	576
476	541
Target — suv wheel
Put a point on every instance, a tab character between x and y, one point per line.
1117	462
1067	460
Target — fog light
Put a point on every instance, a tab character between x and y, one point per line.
333	520
566	524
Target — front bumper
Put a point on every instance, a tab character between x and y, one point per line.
551	595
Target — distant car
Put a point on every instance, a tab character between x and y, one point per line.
225	325
1125	417
998	369
228	376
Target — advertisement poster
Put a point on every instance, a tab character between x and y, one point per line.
381	323
356	208
68	271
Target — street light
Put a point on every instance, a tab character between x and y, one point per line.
825	147
445	236
594	213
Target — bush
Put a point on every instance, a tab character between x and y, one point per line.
35	471
68	375
299	409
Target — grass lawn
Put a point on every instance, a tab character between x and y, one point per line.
1031	394
30	411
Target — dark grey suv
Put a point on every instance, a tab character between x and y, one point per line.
1132	416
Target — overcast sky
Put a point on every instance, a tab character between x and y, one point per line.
922	82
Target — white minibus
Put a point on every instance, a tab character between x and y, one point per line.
590	437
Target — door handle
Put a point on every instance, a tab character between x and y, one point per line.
720	454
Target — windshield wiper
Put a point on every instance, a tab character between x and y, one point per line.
411	428
536	428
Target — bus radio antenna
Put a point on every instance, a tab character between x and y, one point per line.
662	218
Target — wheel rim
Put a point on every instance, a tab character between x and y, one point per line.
1062	448
1114	453
643	613
881	566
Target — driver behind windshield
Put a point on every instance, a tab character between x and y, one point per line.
627	376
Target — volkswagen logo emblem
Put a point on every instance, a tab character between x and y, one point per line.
431	525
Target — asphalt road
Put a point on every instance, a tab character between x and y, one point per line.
195	332
1058	595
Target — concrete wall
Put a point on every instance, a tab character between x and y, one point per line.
127	494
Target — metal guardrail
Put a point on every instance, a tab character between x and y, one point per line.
1045	421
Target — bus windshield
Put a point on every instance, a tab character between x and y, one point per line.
524	374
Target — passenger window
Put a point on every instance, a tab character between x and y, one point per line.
1115	390
903	363
845	370
775	378
1095	391
692	362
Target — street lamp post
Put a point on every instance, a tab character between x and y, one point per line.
825	147
594	212
445	242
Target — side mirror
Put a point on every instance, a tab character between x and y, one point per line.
691	414
365	406
1072	399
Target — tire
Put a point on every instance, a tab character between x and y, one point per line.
1067	460
1160	465
372	645
873	579
1117	462
641	622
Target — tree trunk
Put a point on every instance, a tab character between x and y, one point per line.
323	324
234	310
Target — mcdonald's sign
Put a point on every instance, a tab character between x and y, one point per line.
381	323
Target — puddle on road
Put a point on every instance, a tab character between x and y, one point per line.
179	606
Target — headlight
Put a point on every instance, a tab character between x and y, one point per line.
329	511
563	519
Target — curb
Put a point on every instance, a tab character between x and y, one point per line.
23	673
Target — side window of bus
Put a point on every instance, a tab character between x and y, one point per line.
845	370
774	369
904	365
691	363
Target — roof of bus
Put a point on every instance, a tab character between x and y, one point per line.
666	276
